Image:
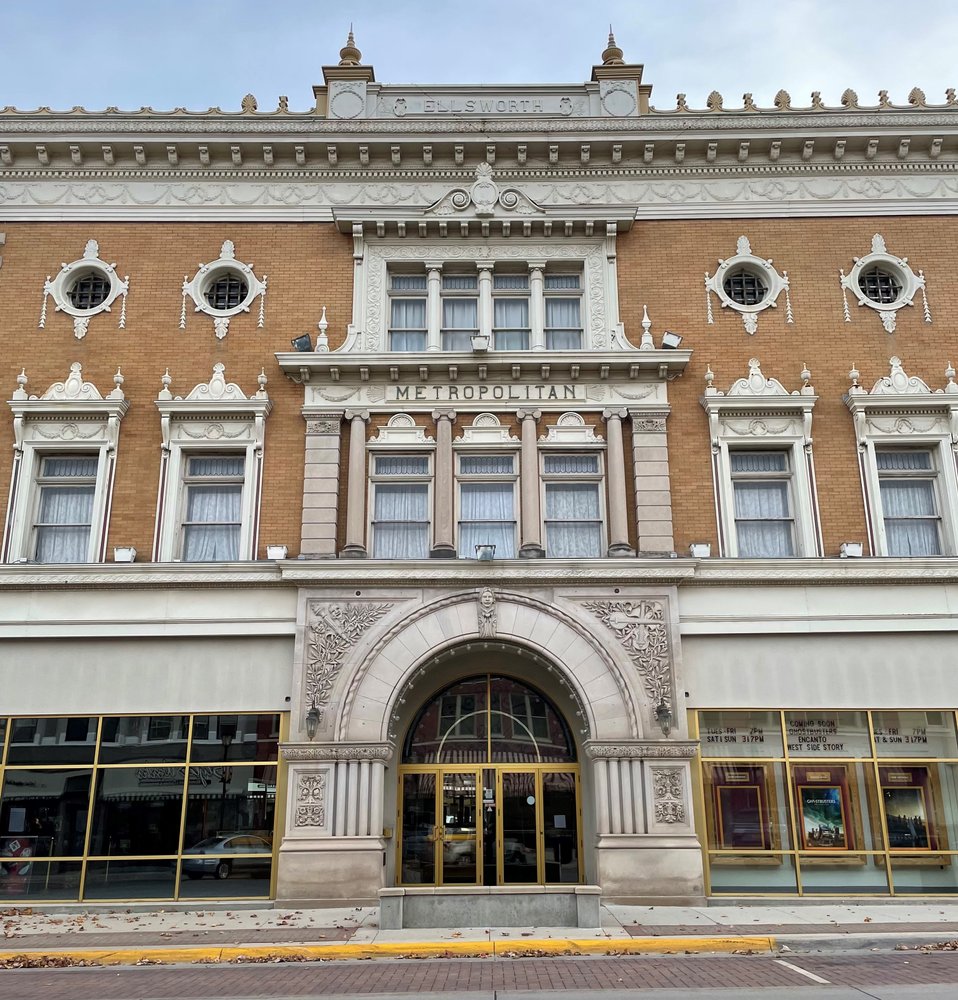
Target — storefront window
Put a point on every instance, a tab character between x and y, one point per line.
172	806
855	803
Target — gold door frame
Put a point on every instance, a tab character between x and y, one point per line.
440	770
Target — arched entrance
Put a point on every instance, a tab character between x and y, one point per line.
489	789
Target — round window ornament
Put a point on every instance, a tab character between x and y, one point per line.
883	282
747	284
84	288
224	288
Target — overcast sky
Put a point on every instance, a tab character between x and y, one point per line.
198	53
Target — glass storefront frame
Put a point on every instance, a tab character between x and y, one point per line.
192	761
821	767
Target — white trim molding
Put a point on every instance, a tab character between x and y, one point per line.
198	286
760	414
898	269
215	417
71	417
59	289
764	273
902	411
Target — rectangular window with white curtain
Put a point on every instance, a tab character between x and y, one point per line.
487	504
407	312
573	506
764	518
909	501
563	314
460	311
66	486
213	507
400	506
510	312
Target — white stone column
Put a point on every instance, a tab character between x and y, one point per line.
485	300
531	547
653	490
355	547
433	305
602	818
537	305
615	478
443	545
321	485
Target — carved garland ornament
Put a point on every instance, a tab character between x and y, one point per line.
883	282
198	289
759	273
667	787
311	800
641	629
330	635
70	294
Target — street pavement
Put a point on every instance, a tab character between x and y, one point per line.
836	976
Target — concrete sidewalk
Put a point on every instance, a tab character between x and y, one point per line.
234	932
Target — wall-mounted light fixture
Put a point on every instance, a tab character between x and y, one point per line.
671	341
277	551
312	721
302	343
851	550
700	550
486	552
663	716
124	553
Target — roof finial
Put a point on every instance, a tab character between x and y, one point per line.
612	56
349	55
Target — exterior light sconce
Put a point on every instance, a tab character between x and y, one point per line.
485	553
312	721
671	341
663	716
480	342
302	343
700	550
124	553
851	550
277	551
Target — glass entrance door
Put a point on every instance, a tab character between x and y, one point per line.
502	825
458	828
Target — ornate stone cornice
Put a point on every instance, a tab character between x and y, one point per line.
16	122
673	749
337	751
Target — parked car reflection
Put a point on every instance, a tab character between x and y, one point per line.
237	845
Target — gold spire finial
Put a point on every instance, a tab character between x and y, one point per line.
349	55
612	56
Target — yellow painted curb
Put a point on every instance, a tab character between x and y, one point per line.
413	949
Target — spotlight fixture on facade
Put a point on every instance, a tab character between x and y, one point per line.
312	721
851	550
302	343
671	341
124	554
485	553
663	716
277	551
480	343
700	550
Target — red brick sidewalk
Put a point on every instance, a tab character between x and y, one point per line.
460	977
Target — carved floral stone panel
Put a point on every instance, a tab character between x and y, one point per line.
332	630
668	789
311	799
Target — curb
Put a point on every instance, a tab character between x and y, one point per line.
424	949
